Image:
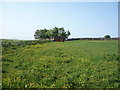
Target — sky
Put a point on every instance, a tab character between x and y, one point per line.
20	20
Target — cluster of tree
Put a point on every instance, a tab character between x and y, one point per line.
51	33
107	37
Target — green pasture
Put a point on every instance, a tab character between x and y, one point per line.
69	64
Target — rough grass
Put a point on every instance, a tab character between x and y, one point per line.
70	64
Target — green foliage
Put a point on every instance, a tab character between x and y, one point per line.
107	37
72	64
41	34
49	34
11	43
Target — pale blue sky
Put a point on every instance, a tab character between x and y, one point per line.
82	19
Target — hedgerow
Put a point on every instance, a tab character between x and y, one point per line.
22	43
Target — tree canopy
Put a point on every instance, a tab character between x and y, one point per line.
51	33
107	37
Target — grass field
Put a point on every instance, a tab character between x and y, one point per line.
70	64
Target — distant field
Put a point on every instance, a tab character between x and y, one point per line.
11	40
70	64
10	43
